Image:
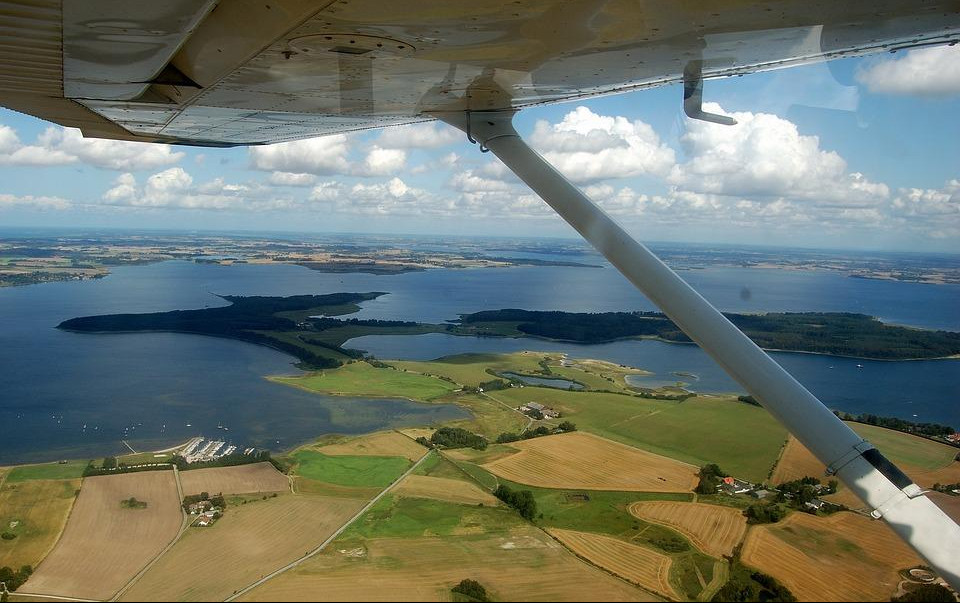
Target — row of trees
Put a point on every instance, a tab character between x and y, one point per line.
110	466
930	430
507	437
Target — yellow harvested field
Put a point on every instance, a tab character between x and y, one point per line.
949	503
589	462
417	432
382	443
524	565
104	545
713	529
242	479
843	557
796	462
928	477
208	564
443	488
494	452
638	564
39	510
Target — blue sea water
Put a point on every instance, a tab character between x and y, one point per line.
145	388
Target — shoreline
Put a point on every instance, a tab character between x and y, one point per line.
660	339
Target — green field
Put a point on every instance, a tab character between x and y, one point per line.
472	369
490	417
69	470
361	378
743	439
353	471
438	466
906	448
401	517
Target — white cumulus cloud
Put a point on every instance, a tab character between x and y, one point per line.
321	156
175	188
766	157
931	72
382	162
36	202
65	146
587	147
292	179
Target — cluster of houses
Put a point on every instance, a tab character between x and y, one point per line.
196	451
208	513
533	408
732	485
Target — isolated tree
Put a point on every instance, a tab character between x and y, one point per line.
472	589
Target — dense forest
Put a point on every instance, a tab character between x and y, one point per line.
842	334
246	318
316	340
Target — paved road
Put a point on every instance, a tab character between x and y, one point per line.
333	536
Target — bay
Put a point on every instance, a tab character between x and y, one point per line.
144	388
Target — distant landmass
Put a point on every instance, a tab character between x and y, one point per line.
834	333
270	321
304	326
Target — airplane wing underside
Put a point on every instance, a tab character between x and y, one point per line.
238	72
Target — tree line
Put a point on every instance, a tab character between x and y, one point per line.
507	437
930	430
837	333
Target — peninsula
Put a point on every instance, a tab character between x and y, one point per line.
304	326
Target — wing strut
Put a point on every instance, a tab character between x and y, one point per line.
873	478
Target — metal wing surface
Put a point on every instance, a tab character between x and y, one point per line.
239	72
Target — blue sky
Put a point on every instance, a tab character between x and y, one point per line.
860	153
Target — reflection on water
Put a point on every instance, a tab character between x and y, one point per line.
554	382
